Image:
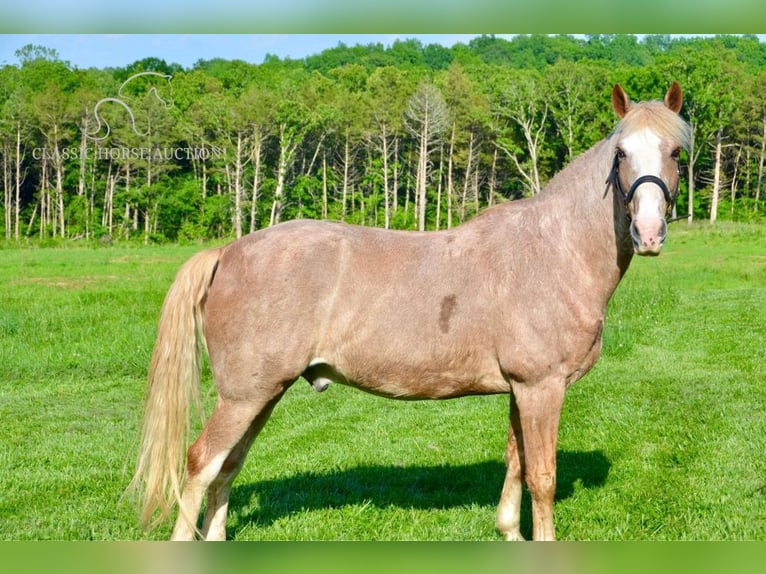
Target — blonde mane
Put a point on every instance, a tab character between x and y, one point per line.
655	115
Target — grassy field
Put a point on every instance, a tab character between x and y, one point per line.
664	440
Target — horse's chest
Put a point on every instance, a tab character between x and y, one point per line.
541	348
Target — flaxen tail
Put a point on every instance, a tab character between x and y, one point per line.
174	378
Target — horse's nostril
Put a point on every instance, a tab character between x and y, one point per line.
663	231
648	235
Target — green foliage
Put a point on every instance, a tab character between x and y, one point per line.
139	156
180	207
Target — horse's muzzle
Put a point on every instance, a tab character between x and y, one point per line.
648	235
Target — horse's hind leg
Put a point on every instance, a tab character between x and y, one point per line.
214	523
215	457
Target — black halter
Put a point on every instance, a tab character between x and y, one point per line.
614	179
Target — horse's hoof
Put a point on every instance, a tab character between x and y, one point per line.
514	536
320	384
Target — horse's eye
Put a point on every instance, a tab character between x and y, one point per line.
676	153
620	153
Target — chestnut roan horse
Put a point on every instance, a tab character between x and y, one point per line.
512	301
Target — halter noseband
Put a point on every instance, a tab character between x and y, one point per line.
614	179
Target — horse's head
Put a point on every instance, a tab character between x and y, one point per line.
647	146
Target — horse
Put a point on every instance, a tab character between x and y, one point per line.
512	301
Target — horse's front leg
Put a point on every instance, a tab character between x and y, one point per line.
508	519
539	410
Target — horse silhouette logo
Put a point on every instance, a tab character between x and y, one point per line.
120	100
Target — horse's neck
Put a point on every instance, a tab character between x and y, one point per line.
590	223
597	221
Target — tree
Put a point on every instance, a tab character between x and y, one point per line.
427	118
238	132
574	93
80	108
31	53
14	121
53	121
199	106
345	121
292	120
387	93
469	114
522	110
41	72
259	102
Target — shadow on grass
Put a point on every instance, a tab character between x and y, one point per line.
426	487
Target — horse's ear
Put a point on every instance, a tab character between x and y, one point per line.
674	99
620	101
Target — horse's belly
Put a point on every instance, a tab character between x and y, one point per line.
406	381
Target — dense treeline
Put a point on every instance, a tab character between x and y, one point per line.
406	136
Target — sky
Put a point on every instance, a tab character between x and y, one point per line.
117	50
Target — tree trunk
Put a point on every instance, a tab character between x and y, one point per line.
81	180
257	158
467	182
475	192
407	181
395	188
324	186
44	200
83	156
386	190
422	174
346	164
128	222
107	219
733	189
492	180
32	220
238	187
17	206
314	157
276	205
716	178
450	175
439	187
287	147
7	193
204	184
690	176
147	209
58	165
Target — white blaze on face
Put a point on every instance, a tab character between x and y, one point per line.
642	150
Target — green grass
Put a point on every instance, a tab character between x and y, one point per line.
664	440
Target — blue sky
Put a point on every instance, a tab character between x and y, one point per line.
114	50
